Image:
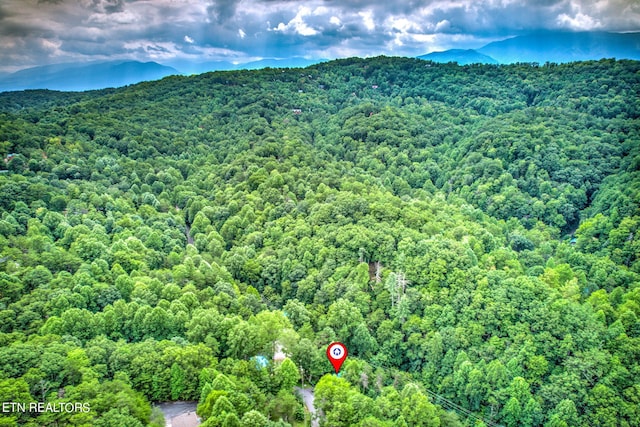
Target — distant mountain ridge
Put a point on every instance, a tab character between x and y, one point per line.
81	77
547	46
541	47
564	47
188	67
461	56
101	75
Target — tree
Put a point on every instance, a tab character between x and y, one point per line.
115	418
221	408
231	420
332	396
283	407
309	358
512	412
604	406
532	413
242	341
268	326
343	317
10	288
254	418
417	410
205	409
564	414
287	375
177	382
14	390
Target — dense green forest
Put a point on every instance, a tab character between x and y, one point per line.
470	233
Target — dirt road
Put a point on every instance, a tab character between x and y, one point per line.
172	410
307	398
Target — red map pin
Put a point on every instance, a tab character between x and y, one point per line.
336	353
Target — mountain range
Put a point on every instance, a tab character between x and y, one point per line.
461	56
547	46
86	76
538	47
564	47
190	67
100	75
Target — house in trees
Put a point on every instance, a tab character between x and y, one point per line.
260	361
279	355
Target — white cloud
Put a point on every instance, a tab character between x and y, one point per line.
442	26
403	25
578	22
241	33
188	39
424	38
120	18
297	24
51	45
367	19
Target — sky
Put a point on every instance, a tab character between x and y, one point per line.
39	32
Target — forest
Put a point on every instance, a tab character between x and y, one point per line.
471	233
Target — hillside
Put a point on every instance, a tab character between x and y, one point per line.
469	232
190	67
461	56
112	74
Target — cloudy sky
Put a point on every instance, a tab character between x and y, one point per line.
37	32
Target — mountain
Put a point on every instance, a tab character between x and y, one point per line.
100	75
551	46
461	56
294	62
470	234
81	77
188	67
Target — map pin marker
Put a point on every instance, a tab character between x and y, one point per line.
336	353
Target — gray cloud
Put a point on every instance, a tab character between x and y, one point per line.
34	32
107	6
222	10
